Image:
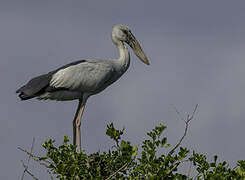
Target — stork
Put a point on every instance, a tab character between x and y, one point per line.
84	78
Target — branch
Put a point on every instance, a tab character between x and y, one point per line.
26	170
120	169
26	166
176	165
187	120
37	159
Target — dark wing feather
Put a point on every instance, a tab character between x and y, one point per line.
40	84
34	87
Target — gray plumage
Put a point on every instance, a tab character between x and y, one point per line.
81	79
71	81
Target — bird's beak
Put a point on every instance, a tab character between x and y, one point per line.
134	44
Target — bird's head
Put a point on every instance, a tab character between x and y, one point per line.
122	33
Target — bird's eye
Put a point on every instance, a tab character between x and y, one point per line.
125	31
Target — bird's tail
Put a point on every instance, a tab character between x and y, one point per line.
34	87
22	95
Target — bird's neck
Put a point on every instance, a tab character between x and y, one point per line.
124	57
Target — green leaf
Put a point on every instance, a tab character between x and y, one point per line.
151	163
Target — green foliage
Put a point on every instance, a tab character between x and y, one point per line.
154	159
153	166
214	170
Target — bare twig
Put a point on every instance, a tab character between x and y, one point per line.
34	157
37	159
120	169
178	113
176	165
26	166
187	120
27	171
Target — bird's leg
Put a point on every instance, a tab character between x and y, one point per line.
77	125
74	124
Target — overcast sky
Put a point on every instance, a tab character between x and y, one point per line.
196	50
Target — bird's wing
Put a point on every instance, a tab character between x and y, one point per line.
87	76
39	84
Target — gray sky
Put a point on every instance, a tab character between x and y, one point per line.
196	50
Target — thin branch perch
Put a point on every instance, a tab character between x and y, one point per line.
187	120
